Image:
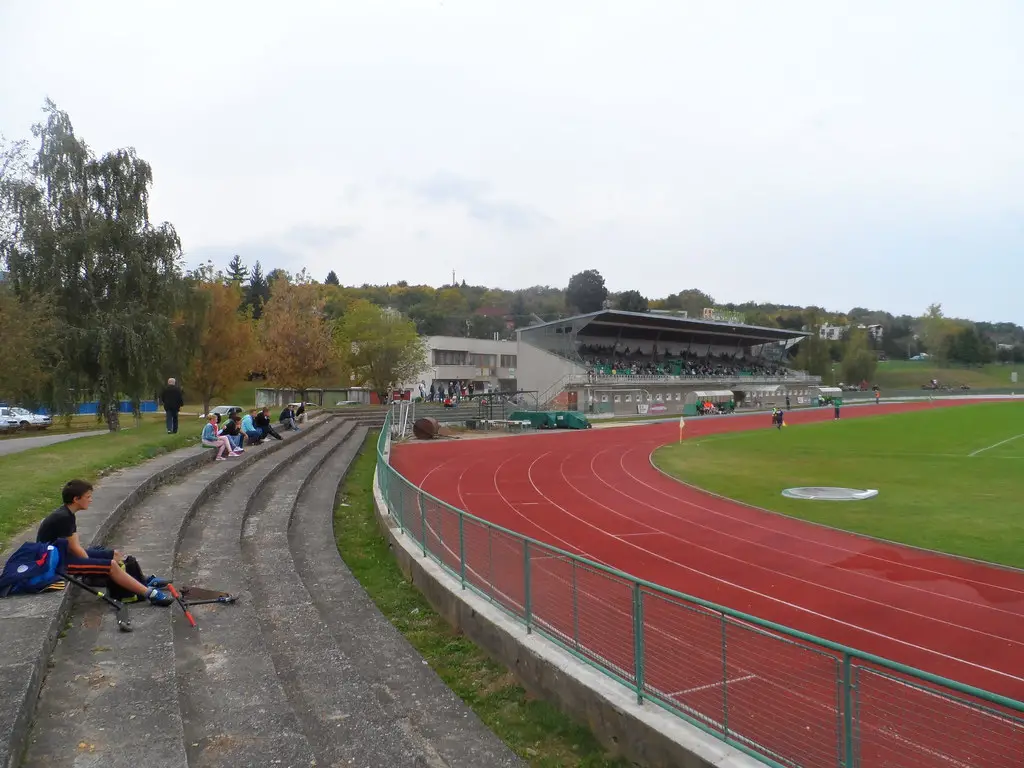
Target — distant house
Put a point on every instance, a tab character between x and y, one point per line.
876	331
836	332
832	332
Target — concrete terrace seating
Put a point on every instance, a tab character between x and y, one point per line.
302	670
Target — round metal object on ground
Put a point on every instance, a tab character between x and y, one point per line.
426	428
819	493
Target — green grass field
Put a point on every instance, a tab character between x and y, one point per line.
30	481
907	374
946	478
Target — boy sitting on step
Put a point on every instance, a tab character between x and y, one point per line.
88	564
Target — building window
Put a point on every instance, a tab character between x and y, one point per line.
483	361
508	361
449	357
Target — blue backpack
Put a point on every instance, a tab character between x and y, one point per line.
31	568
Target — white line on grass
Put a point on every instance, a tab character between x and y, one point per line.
995	445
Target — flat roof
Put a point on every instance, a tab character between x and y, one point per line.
655	326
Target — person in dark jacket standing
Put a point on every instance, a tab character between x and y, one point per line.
173	399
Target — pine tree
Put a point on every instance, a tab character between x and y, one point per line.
257	292
237	271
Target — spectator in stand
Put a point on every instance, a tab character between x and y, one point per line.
248	426
262	422
232	431
173	400
287	418
213	440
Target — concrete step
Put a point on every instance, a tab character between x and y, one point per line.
435	725
111	698
30	625
233	704
301	671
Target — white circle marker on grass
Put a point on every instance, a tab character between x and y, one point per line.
819	493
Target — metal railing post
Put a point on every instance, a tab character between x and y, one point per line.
638	640
423	523
527	606
401	505
725	680
462	549
848	761
490	564
575	608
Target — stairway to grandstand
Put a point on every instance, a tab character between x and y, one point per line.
301	671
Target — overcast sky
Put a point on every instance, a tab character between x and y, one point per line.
844	154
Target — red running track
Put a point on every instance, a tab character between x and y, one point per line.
596	494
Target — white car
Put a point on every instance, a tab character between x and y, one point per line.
23	418
222	411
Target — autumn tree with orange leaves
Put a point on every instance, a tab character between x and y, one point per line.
226	342
297	344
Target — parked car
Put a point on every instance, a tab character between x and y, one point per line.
221	411
15	417
29	420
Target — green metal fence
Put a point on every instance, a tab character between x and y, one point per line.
782	696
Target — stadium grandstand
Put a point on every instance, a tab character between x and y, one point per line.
626	363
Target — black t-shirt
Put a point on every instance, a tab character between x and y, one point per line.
59	524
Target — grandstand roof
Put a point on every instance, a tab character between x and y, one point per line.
660	327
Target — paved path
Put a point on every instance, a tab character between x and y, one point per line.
19	444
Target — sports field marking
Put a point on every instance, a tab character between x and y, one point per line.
771	598
839	453
995	445
716	684
884	732
824	706
727	516
788	576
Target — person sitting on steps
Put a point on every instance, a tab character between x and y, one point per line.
248	427
262	422
288	419
211	439
95	561
232	431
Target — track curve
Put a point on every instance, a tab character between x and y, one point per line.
597	494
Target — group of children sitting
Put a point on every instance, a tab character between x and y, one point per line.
254	426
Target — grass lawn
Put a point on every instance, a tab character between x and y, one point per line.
30	481
534	729
907	374
932	492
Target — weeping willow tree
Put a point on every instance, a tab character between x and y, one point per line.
81	238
